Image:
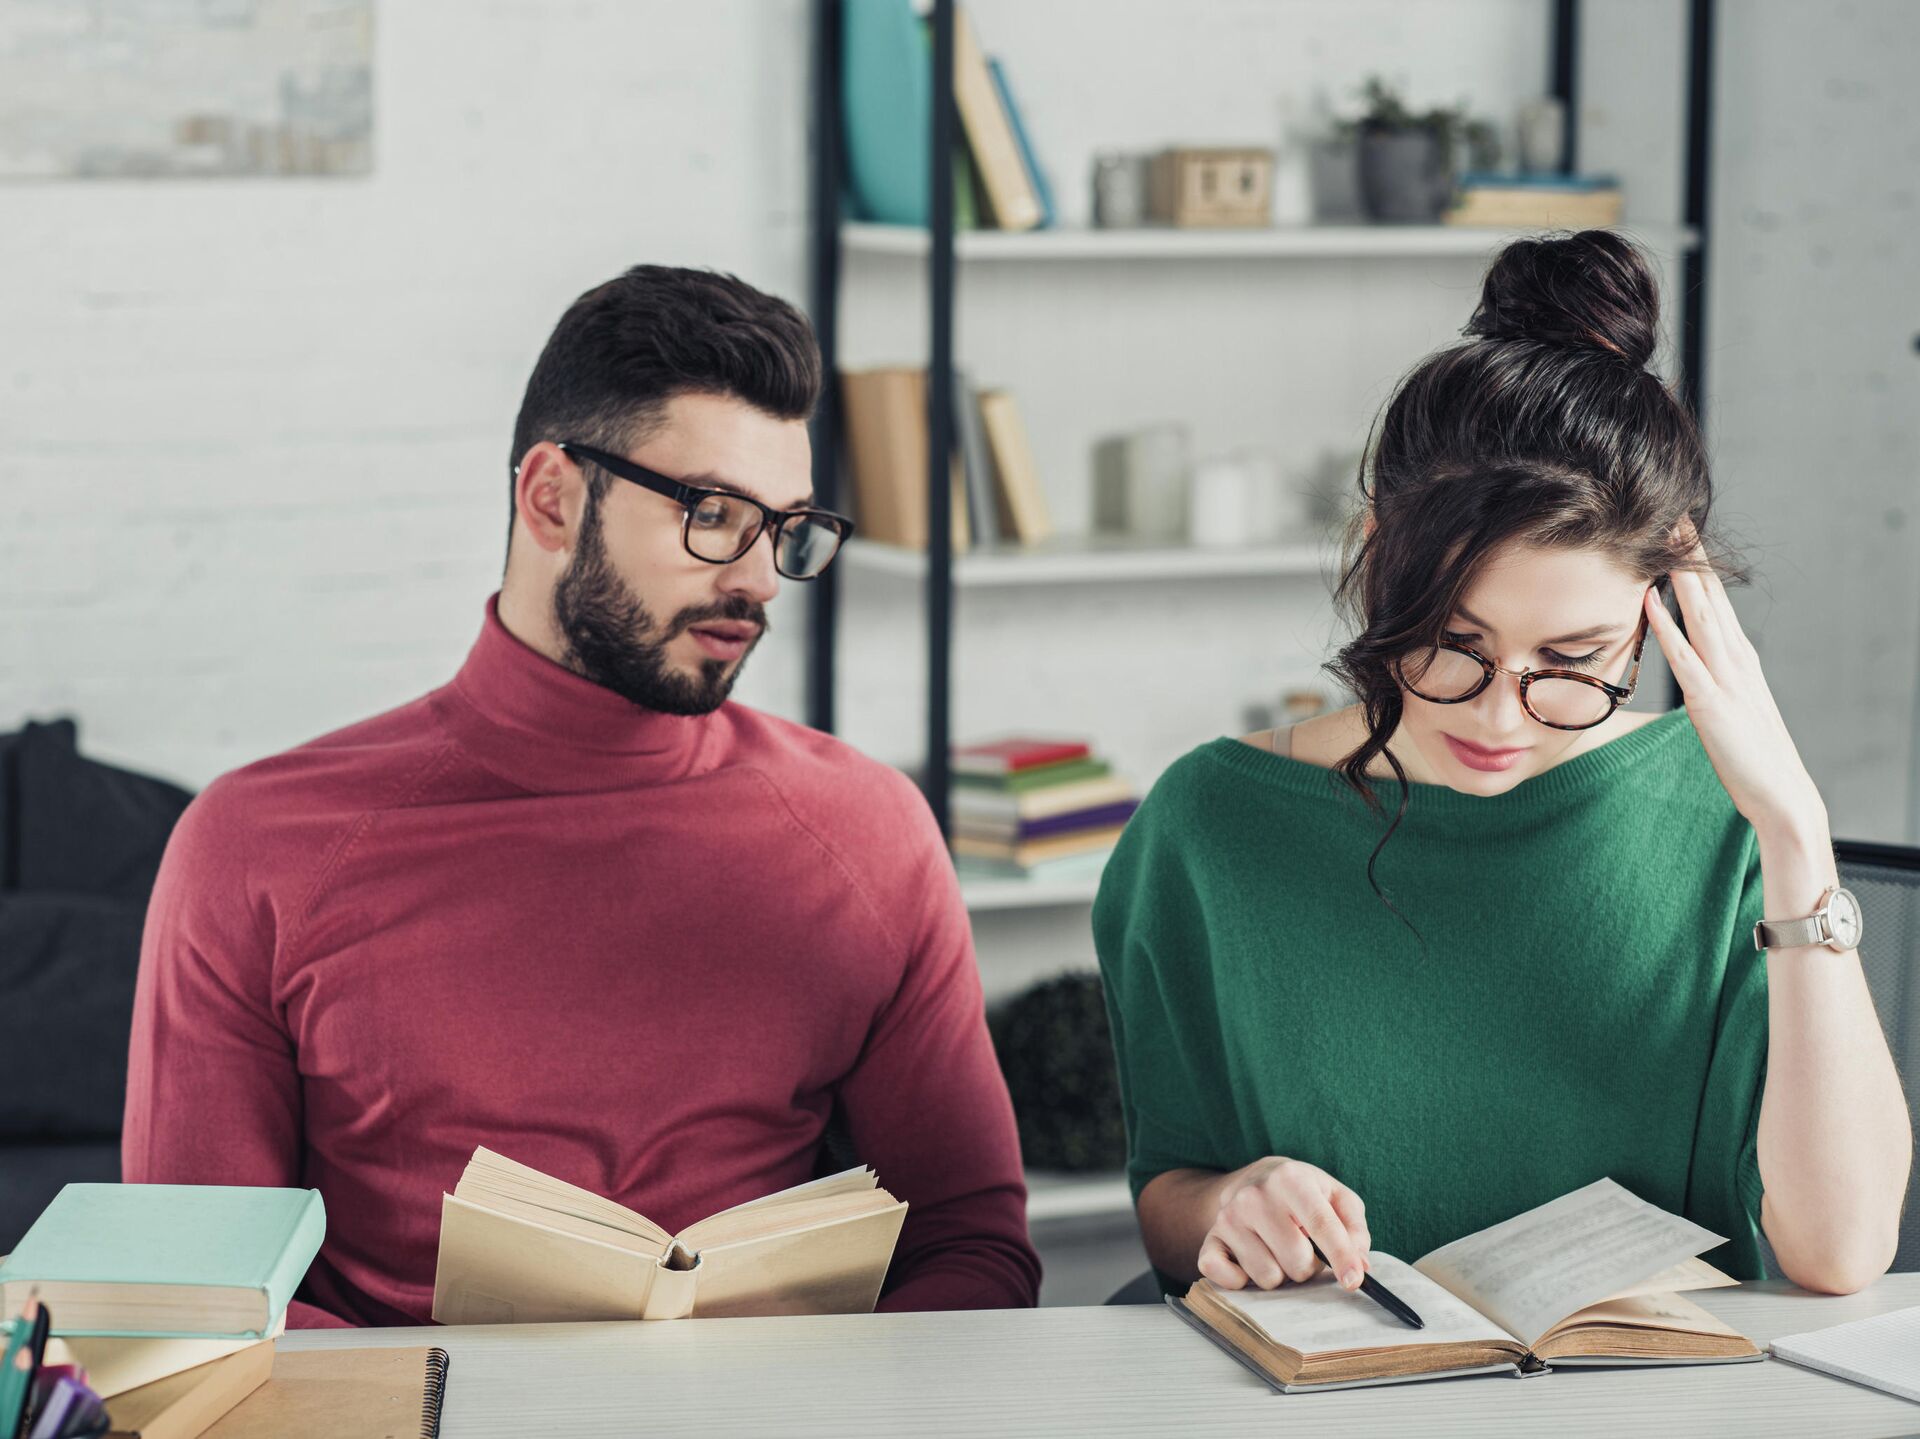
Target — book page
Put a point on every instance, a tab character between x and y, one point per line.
1652	1311
847	1181
502	1175
1531	1271
1681	1279
1319	1317
735	1226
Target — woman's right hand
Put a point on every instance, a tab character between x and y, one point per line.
1267	1212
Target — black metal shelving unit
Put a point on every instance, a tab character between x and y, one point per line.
1563	68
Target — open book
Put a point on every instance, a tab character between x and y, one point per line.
1594	1277
521	1247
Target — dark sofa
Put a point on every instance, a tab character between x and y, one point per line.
80	843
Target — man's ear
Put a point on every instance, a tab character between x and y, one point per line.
549	493
1368	524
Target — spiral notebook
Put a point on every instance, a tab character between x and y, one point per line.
337	1393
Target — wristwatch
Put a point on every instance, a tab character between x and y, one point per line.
1836	924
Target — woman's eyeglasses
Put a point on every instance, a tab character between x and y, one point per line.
722	525
1451	674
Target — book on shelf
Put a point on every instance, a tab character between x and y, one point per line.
1537	201
1595	1277
1017	754
1020	503
1035	777
191	1402
886	110
975	459
1073	869
1043	192
1062	796
518	1246
1018	831
885	412
166	1260
1028	854
1012	203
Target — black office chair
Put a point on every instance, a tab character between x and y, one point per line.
1886	877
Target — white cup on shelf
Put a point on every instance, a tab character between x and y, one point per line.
1220	511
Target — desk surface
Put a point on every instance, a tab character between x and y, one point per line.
1106	1371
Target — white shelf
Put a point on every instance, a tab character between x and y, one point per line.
1300	242
1052	1195
984	894
1073	561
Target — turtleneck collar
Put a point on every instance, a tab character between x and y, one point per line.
541	726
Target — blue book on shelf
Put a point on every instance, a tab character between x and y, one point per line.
1528	180
175	1261
1041	189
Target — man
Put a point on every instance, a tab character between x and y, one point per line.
574	905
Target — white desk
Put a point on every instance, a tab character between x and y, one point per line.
1112	1371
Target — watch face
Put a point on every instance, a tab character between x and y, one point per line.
1843	915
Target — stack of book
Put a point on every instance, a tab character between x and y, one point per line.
1036	809
165	1299
1554	202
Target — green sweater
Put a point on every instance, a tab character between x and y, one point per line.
1589	1004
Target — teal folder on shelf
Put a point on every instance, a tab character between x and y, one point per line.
166	1260
888	95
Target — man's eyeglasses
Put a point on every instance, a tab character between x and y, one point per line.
722	525
1451	674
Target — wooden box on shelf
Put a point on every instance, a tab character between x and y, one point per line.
1212	187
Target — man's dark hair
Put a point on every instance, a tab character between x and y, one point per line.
626	348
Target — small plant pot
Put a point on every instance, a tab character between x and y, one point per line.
1404	176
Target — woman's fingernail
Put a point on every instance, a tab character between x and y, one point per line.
1351	1279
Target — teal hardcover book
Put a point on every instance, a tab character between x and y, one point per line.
166	1260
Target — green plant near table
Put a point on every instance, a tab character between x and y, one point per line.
1056	1051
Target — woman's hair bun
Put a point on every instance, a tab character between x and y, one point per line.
1591	291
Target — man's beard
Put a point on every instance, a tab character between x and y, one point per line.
613	640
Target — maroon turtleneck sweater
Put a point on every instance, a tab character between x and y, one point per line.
641	952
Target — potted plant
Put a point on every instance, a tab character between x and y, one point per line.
1408	160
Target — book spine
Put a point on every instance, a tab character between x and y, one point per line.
303	1241
1043	192
996	156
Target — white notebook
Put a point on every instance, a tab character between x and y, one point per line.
1882	1353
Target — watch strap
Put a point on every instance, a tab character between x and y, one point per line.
1791	933
1796	933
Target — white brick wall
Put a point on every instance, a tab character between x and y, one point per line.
254	434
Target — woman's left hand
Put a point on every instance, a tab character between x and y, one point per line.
1731	707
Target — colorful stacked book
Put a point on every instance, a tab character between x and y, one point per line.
1026	808
165	1298
1563	202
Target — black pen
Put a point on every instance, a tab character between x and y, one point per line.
1379	1294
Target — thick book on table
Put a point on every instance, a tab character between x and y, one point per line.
1596	1277
166	1260
520	1247
116	1364
185	1405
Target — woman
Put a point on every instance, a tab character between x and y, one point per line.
1415	966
